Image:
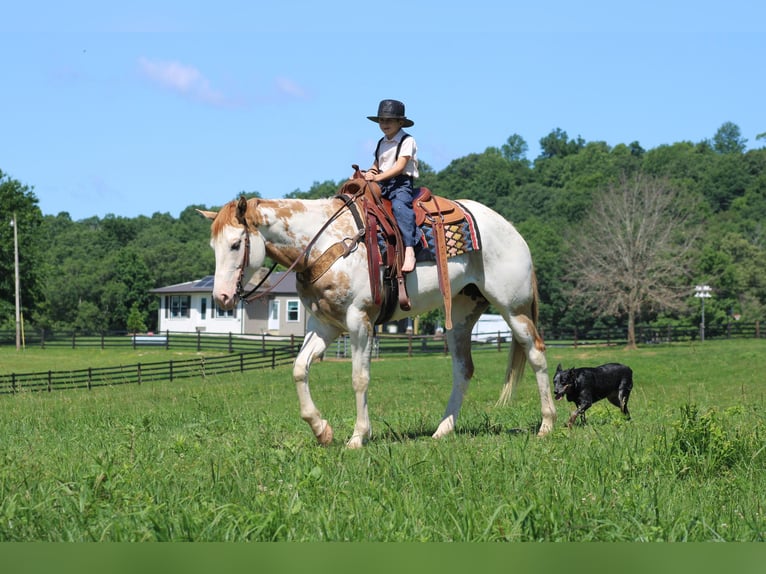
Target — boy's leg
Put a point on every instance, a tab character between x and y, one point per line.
401	204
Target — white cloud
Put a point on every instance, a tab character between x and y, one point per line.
286	86
184	80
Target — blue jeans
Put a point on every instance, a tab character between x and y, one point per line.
399	190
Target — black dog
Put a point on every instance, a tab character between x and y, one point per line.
587	385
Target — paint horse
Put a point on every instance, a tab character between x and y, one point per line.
295	233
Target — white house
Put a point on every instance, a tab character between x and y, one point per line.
189	308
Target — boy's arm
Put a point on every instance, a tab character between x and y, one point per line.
374	175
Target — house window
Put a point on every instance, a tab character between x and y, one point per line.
293	311
178	305
203	308
223	313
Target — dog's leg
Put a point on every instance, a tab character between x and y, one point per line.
623	395
580	412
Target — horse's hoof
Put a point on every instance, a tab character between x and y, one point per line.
355	442
544	431
325	437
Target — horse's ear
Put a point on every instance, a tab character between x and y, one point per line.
242	209
211	215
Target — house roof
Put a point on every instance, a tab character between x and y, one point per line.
205	285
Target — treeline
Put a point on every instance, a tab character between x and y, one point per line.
94	274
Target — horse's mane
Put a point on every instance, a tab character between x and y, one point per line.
227	215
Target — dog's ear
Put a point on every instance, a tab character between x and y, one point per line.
558	369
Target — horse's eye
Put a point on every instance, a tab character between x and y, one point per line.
236	245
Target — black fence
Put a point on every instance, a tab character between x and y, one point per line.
222	342
648	334
246	353
145	372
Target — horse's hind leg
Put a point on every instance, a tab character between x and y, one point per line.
318	338
465	312
527	346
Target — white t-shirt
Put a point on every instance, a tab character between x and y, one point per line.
387	153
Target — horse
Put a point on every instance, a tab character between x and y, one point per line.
296	232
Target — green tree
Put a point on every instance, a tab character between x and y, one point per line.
135	321
19	200
728	139
515	149
558	144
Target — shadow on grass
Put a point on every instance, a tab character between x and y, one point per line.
480	428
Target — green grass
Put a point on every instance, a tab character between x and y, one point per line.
230	459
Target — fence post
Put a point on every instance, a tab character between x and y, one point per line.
231	348
167	339
134	341
170	365
241	362
758	329
90	377
13	382
409	344
42	338
50	375
273	358
199	341
499	344
138	372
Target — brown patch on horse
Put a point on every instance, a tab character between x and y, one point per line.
226	216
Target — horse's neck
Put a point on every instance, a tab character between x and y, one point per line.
289	225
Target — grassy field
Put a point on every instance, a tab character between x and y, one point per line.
230	459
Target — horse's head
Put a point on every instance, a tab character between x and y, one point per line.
239	250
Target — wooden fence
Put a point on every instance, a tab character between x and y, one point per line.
261	352
145	372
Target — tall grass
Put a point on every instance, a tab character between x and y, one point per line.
230	459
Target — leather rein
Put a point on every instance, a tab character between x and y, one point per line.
342	248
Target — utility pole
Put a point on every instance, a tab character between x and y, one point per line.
16	272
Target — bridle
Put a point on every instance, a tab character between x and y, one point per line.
349	244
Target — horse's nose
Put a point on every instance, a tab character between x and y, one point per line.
225	300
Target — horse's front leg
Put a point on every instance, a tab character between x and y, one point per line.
361	337
318	338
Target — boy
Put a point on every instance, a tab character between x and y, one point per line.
394	169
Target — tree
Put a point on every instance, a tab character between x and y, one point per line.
20	200
632	253
515	149
136	320
558	144
728	139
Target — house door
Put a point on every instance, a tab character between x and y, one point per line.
273	315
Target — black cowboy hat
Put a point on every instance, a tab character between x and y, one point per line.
392	109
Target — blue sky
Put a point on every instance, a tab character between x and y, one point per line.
131	108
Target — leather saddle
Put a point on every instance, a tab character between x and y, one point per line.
373	212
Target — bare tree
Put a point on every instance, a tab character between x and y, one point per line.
631	254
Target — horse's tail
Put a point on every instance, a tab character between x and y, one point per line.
517	357
517	360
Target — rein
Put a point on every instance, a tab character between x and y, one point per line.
346	246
